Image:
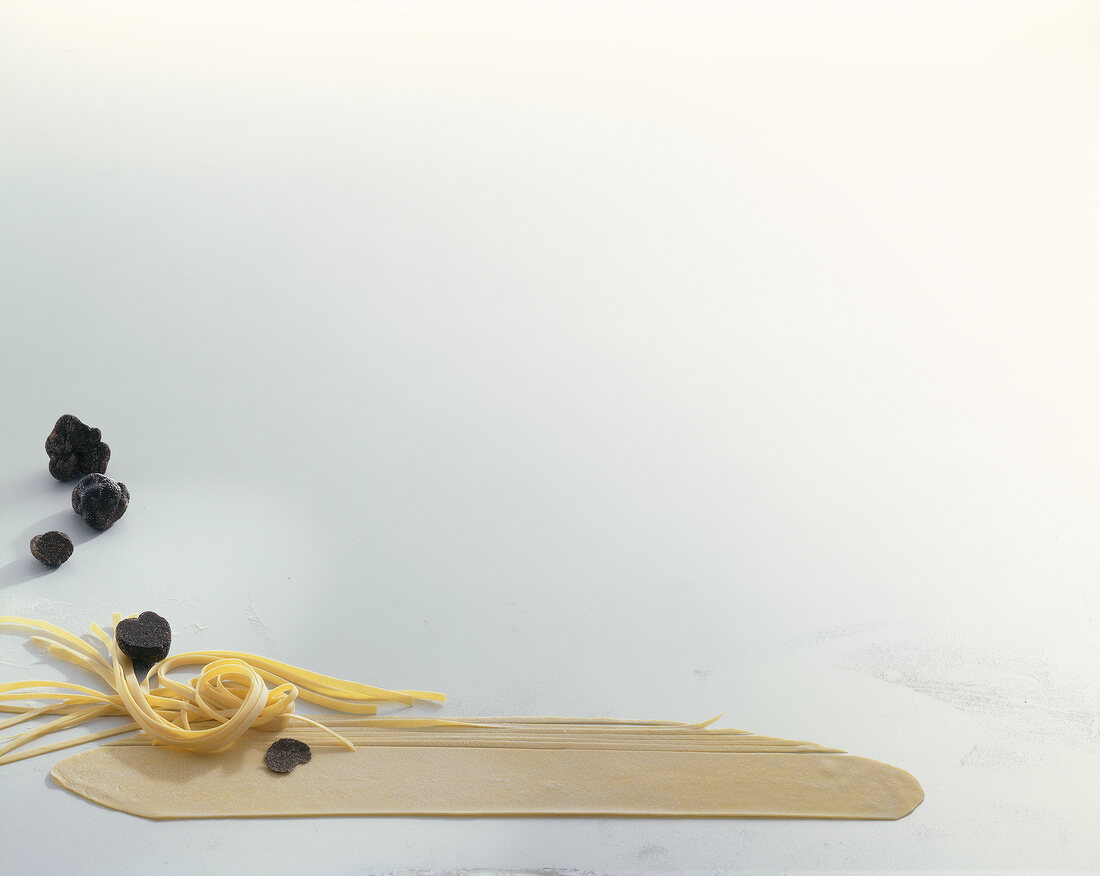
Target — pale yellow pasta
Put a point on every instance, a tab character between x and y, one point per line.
229	696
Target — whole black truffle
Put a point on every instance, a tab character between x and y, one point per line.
285	754
145	639
99	500
75	449
52	548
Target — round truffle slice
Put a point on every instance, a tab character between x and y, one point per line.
51	548
145	639
285	754
100	501
75	449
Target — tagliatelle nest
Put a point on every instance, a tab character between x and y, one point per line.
229	696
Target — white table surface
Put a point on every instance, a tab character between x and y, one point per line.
637	360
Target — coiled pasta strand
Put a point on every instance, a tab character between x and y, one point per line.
229	696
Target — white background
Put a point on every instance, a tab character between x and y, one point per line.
625	359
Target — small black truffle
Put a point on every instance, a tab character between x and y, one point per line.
75	449
99	500
285	754
51	548
145	639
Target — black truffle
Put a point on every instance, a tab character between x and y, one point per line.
99	500
285	754
75	449
52	548
145	639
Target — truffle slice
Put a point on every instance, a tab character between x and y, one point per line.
51	548
285	754
75	449
99	500
145	639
